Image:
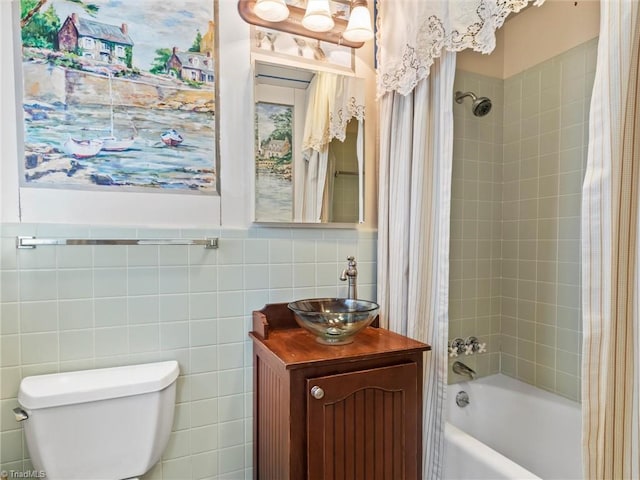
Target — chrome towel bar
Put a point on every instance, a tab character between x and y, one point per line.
33	242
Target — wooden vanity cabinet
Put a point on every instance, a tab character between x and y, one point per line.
351	412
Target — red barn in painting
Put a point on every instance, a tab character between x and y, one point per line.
96	40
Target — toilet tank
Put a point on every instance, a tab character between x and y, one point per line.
109	423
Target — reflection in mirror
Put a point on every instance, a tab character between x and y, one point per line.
309	153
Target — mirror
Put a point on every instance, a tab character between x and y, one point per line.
309	145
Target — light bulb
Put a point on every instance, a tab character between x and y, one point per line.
317	17
271	10
359	26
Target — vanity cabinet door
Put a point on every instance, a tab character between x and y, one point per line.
364	425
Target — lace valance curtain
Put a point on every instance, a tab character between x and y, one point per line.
413	33
333	101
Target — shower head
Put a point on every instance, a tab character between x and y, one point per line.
481	105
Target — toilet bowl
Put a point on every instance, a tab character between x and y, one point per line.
103	424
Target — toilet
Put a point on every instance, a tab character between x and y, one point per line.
103	424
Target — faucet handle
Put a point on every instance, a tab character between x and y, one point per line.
458	345
474	346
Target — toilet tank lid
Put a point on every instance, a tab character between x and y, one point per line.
53	390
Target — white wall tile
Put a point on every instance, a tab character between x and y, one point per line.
9	381
231	433
230	382
231	330
230	277
111	341
173	280
204	278
110	282
10	350
280	251
204	412
144	338
110	256
36	258
142	255
77	256
179	445
34	285
230	304
75	314
205	465
204	439
203	332
231	251
256	277
230	356
174	335
111	306
143	309
110	312
38	317
256	251
11	446
173	255
143	280
178	469
39	348
204	386
231	460
75	283
203	306
174	307
9	318
76	345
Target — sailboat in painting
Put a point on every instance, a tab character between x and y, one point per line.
112	143
82	148
171	138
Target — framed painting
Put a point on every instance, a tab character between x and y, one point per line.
305	51
274	153
118	96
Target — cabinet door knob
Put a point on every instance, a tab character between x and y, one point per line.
317	392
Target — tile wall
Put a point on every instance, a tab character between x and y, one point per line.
528	275
546	118
73	307
475	269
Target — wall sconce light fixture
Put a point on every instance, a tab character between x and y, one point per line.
316	21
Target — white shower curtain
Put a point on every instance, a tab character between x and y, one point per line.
611	253
413	231
416	150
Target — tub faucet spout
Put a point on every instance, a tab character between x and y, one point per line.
461	369
351	273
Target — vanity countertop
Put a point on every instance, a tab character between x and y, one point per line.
276	330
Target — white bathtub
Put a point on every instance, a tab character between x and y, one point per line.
511	430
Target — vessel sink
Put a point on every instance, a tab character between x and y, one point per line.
334	321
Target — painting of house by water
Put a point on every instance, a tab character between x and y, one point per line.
120	98
274	149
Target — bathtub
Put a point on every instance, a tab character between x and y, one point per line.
511	430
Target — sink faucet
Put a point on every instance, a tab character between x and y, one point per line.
351	273
461	369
